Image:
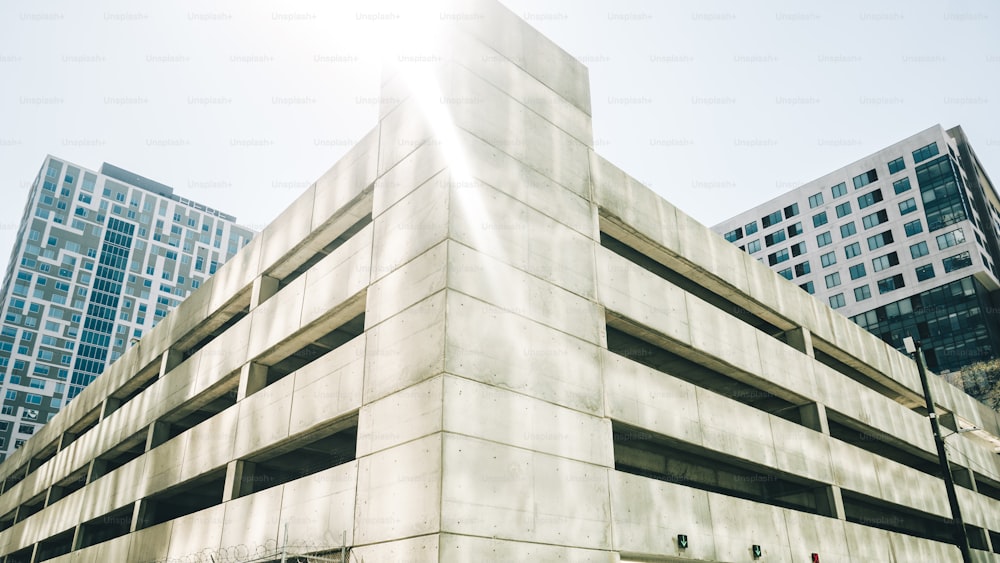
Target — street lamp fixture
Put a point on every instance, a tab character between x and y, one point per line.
961	536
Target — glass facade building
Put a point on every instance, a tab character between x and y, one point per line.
916	234
100	257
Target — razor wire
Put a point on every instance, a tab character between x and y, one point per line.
269	551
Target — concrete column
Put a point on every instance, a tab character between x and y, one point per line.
140	513
65	440
54	493
169	360
831	502
263	288
239	474
78	537
109	406
98	467
947	420
253	378
157	433
963	476
813	416
801	339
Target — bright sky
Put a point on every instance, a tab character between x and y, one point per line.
716	105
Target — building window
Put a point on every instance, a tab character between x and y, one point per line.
862	180
774	238
918	250
828	259
923	153
891	284
897	165
808	287
798	249
869	199
843	209
852	250
777	257
857	271
913	228
815	200
752	246
819	219
862	293
772	219
839	190
791	211
802	269
824	239
880	240
837	301
908	206
925	272
751	228
832	280
950	239
875	219
848	229
885	262
901	185
786	273
794	230
957	262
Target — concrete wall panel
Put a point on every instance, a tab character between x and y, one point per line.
412	226
342	183
521	355
405	349
496	490
459	549
399	492
750	439
568	204
264	417
505	417
631	291
647	515
407	125
646	398
329	387
506	229
427	159
406	415
407	285
320	507
287	232
420	549
195	533
251	520
150	544
522	293
510	78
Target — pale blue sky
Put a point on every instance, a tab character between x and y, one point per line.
729	103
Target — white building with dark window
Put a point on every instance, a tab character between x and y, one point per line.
904	242
100	257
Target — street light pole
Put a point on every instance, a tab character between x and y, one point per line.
961	537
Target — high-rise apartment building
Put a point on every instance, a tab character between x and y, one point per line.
100	257
904	242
